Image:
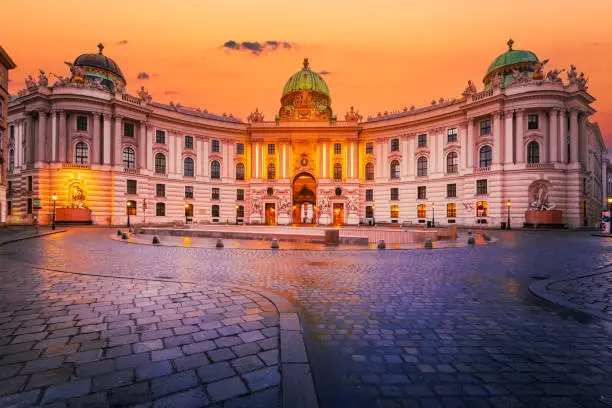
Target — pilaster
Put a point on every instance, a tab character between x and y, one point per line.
508	137
520	133
497	145
553	136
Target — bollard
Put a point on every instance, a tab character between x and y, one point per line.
469	232
274	244
141	231
124	236
119	233
381	244
486	237
428	244
219	243
471	241
155	240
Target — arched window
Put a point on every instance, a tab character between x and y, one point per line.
240	171
452	162
533	152
271	171
215	170
160	163
422	166
395	169
369	171
188	167
82	153
128	158
486	156
11	163
160	209
337	171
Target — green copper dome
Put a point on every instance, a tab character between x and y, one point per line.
511	59
305	80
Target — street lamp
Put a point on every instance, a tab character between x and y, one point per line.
54	198
609	203
129	205
508	204
373	216
433	217
186	212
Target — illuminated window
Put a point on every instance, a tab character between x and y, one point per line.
188	167
482	209
130	207
369	171
188	210
451	135
240	211
395	145
271	171
533	152
486	156
452	162
422	211
369	211
395	211
160	209
128	158
215	170
337	171
82	153
240	171
160	163
395	169
451	210
422	166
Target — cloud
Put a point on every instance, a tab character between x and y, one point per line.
143	75
257	48
170	92
324	72
122	42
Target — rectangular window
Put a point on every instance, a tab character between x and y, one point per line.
451	210
160	209
395	211
30	183
369	195
369	148
395	145
481	187
422	211
82	123
369	211
485	127
395	193
9	189
160	136
451	135
240	195
533	122
337	148
482	209
451	190
128	129
271	148
188	142
12	133
422	192
131	187
239	148
9	208
215	211
160	190
216	193
29	206
422	141
188	191
215	146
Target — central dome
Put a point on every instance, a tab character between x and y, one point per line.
305	80
506	63
98	67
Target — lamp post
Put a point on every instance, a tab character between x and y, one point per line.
373	216
129	205
186	212
508	204
609	203
433	216
54	198
236	207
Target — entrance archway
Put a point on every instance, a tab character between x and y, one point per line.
304	199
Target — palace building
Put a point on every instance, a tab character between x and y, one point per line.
96	153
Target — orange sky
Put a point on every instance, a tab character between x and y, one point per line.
380	55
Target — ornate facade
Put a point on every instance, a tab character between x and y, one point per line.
100	149
6	64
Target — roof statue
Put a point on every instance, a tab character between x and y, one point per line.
256	116
43	81
553	76
306	63
30	83
100	47
538	70
144	95
353	115
510	44
572	75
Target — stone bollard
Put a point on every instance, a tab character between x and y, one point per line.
274	244
381	244
141	231
155	240
119	233
219	243
471	241
124	236
486	237
428	244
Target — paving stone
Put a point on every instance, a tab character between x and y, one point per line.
215	372
264	378
114	379
132	395
221	355
153	369
45	378
67	390
226	389
228	341
147	346
12	385
169	384
198	347
42	364
166	354
242	350
193	398
21	400
95	368
245	364
84	356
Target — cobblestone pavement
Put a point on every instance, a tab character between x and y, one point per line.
590	293
419	328
78	340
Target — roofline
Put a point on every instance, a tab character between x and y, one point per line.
6	60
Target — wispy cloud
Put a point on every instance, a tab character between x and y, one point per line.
170	92
122	42
257	48
324	72
143	75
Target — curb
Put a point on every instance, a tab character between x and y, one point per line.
297	389
540	289
10	241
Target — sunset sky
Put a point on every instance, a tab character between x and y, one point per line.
376	55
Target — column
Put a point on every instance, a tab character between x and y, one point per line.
95	150
205	165
553	136
117	159
508	138
262	165
463	145
562	136
142	146
198	158
583	141
107	139
497	146
42	135
18	143
574	136
411	141
520	130
404	151
439	152
62	137
180	142
53	135
254	160
149	154
470	144
324	163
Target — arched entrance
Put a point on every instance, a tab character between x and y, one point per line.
304	199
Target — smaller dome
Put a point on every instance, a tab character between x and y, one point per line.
305	80
99	61
511	59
